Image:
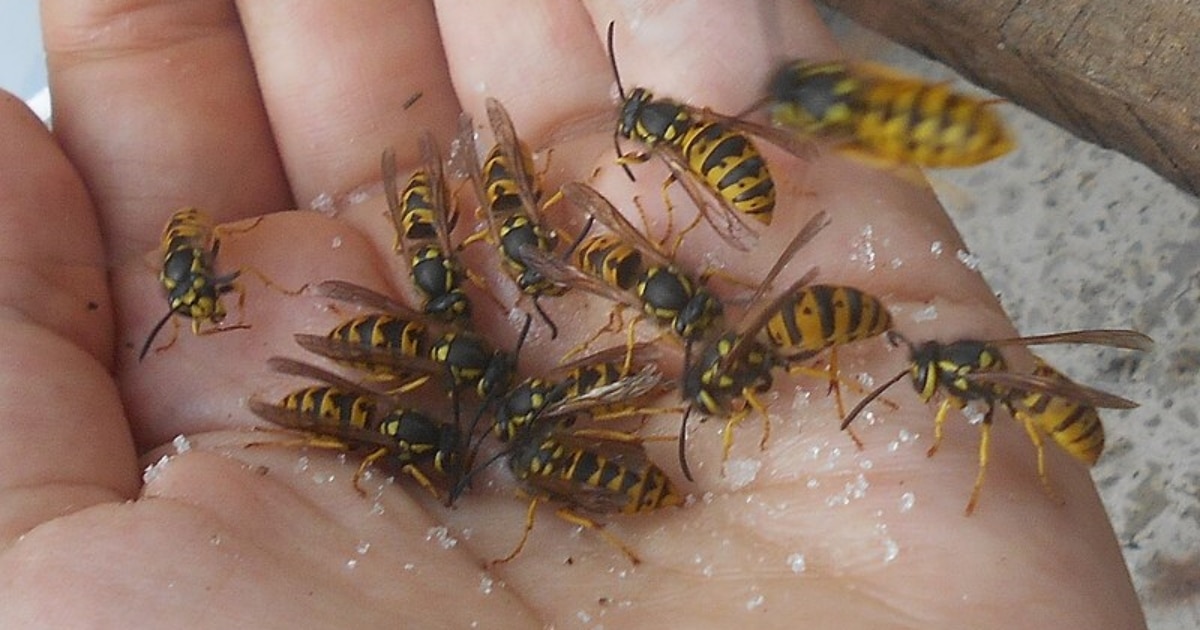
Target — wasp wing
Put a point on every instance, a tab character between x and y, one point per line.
563	273
593	203
344	291
1058	386
1115	338
516	155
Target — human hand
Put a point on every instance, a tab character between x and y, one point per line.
157	107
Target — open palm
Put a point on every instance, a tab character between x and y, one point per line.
251	110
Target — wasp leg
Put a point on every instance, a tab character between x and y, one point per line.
474	237
234	228
271	284
620	412
529	517
756	405
608	434
481	284
363	466
753	404
615	322
727	438
1035	436
575	518
670	207
421	479
985	442
408	469
938	421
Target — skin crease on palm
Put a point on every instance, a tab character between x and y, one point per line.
262	107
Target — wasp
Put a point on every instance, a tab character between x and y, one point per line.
975	370
189	247
809	320
883	117
420	216
394	343
506	184
594	471
626	267
342	415
704	153
594	383
1073	424
801	322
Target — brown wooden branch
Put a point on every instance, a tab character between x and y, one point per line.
1125	75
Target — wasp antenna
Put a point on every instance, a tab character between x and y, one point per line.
683	464
587	228
158	327
521	339
612	59
537	305
465	480
876	393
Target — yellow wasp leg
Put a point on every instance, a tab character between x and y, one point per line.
615	322
753	404
362	468
574	518
756	404
689	227
421	479
529	516
1035	436
408	469
938	421
985	442
727	439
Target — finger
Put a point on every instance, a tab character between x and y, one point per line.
336	78
721	59
53	269
199	382
158	107
545	63
64	443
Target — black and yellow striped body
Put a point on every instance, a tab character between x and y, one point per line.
732	167
188	275
189	250
606	257
357	421
819	316
517	229
522	404
665	293
328	410
1075	426
883	115
397	348
435	271
724	160
585	473
380	331
418	216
